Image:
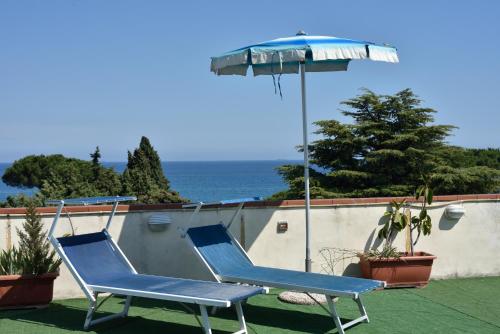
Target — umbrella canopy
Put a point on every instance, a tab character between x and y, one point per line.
284	55
309	54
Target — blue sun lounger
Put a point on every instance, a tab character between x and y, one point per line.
99	266
227	261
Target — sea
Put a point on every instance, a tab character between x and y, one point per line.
204	180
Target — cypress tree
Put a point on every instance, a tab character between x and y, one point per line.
96	166
37	258
144	176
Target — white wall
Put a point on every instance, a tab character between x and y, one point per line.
467	247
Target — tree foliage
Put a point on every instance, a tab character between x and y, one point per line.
144	176
32	170
391	144
57	176
459	157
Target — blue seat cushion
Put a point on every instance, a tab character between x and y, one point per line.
302	281
228	261
99	263
181	287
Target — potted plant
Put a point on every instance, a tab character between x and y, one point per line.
27	272
402	269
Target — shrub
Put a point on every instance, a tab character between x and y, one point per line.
33	256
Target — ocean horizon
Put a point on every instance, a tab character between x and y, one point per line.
203	180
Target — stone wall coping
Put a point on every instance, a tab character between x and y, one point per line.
260	204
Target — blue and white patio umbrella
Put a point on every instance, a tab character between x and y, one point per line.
307	54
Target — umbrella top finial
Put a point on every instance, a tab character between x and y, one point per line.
301	33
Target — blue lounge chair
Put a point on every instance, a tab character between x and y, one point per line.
228	262
99	266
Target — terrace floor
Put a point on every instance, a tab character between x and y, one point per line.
445	306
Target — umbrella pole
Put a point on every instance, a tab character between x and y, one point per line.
306	165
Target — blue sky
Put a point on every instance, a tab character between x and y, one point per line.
76	74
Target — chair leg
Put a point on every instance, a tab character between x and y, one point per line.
90	312
204	320
336	318
335	315
92	308
362	309
241	318
127	306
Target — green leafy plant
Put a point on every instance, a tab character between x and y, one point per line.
422	222
395	223
33	256
11	262
37	257
386	252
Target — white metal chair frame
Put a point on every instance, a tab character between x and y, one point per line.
330	298
92	291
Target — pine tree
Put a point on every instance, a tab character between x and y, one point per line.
57	176
391	144
37	258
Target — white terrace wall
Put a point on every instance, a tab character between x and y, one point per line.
466	247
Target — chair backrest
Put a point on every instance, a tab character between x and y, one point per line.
218	249
94	257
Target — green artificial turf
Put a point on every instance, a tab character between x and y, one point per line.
447	306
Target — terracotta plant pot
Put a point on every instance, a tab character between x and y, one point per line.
405	271
18	291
